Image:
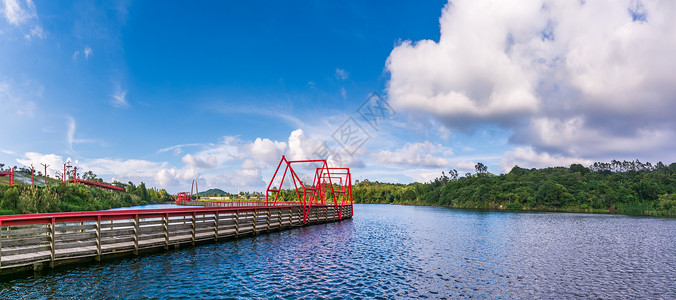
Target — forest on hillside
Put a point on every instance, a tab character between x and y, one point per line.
629	187
23	197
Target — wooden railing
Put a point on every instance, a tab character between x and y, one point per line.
37	239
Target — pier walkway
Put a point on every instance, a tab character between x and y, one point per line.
35	240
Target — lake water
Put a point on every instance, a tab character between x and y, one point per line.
397	252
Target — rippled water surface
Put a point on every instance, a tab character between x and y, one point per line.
397	252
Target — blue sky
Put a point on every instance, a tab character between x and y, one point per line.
218	91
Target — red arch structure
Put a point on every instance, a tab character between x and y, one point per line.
197	192
329	185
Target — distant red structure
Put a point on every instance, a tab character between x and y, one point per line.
102	185
185	196
333	182
9	172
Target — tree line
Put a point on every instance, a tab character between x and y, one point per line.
60	197
617	187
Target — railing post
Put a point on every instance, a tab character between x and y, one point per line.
52	242
165	223
216	226
136	234
237	224
1	244
98	238
255	217
267	219
192	229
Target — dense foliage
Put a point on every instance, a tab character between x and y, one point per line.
25	198
622	187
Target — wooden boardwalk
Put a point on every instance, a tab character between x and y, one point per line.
31	241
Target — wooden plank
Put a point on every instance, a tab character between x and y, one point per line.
144	222
24	250
65	237
180	227
117	232
146	237
117	240
77	244
76	252
16	260
26	231
62	228
153	229
25	241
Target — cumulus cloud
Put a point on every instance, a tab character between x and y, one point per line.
266	150
174	177
561	75
215	155
301	146
54	162
418	154
205	161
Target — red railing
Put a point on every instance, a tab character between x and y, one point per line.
11	220
97	184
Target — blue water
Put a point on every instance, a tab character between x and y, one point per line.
397	252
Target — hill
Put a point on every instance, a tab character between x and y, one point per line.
212	192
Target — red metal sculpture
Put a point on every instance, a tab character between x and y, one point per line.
332	184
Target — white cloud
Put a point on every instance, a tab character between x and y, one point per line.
266	150
87	52
36	31
172	177
178	149
301	146
466	166
419	154
343	93
23	15
566	77
526	157
18	12
342	74
119	97
124	169
54	162
205	162
70	134
215	155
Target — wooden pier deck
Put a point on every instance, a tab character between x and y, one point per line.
33	241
